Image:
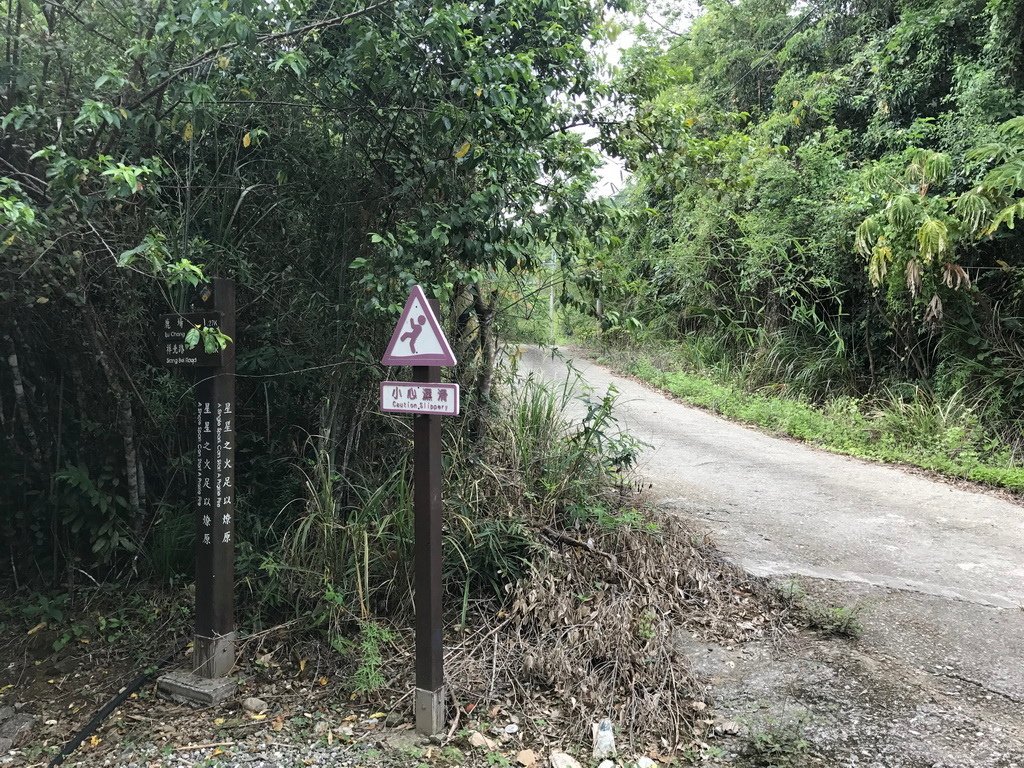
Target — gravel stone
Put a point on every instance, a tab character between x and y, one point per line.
254	705
17	729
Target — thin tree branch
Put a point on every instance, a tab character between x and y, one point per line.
210	53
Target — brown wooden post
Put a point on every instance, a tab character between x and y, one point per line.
419	341
430	699
213	653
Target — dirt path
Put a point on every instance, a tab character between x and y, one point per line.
937	678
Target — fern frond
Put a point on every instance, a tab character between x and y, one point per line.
955	277
933	314
928	167
879	180
913	276
937	167
1014	128
1007	178
878	265
994	152
1007	217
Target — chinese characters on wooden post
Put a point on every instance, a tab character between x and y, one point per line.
213	653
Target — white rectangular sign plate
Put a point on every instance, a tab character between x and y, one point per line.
413	397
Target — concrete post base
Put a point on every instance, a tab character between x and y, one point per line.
187	688
429	711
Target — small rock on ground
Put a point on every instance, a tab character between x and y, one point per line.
254	705
562	760
17	728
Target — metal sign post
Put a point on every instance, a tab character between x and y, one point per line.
213	650
419	341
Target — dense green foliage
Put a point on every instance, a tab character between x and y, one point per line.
823	203
824	199
325	155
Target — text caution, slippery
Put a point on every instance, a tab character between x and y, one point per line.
410	397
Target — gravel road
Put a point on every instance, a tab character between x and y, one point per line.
937	569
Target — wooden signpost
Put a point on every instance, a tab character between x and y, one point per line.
419	341
213	653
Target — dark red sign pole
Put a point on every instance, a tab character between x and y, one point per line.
430	703
419	341
430	699
213	653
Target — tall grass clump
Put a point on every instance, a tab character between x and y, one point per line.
343	559
785	361
344	563
558	462
918	417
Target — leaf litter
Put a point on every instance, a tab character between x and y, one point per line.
592	633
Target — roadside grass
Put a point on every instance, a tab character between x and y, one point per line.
826	618
776	744
900	426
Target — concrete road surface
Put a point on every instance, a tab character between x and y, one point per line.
938	570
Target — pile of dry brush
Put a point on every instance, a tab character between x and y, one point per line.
594	633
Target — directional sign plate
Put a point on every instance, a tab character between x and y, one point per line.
415	397
418	338
173	350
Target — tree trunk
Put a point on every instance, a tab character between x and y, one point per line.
21	405
465	326
126	425
125	420
488	344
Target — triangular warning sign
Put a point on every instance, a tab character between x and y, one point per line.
418	338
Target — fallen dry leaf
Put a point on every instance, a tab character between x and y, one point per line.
479	741
527	758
